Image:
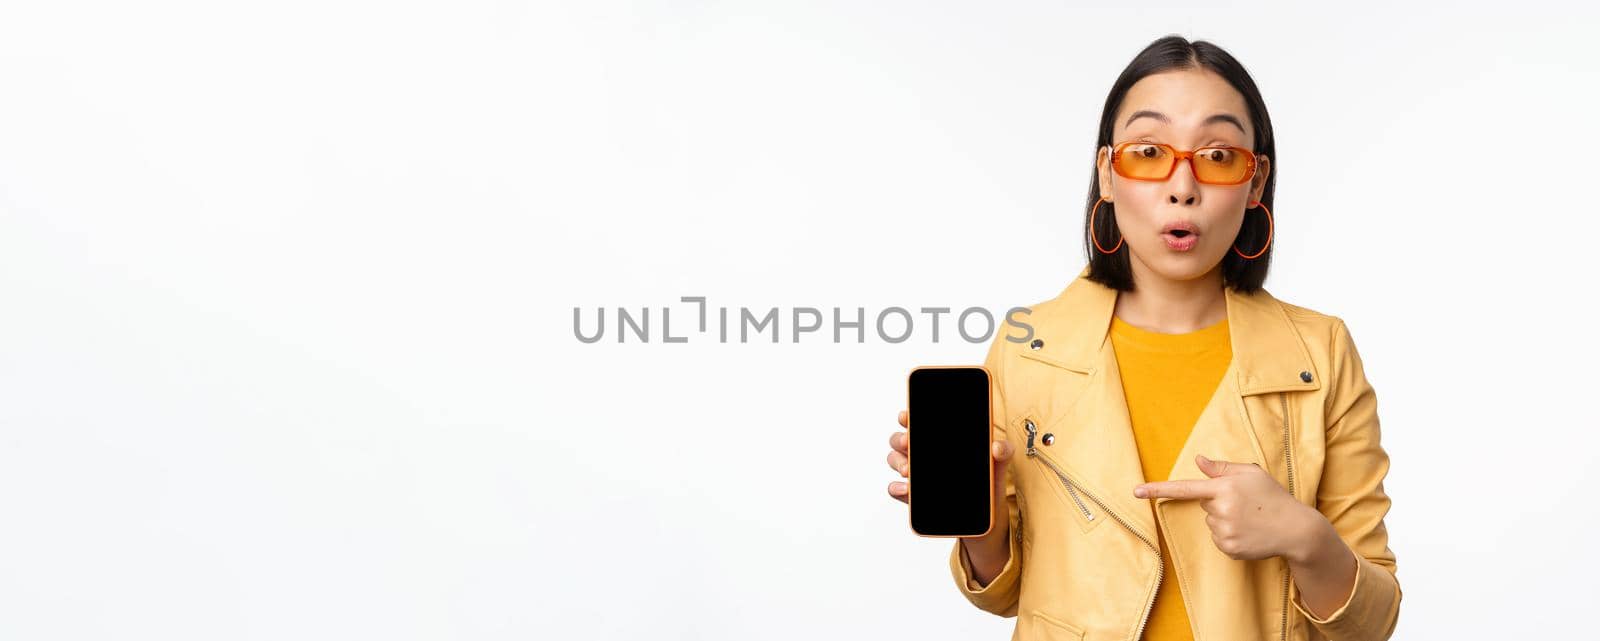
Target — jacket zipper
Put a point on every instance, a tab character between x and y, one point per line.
1064	481
1288	462
1160	564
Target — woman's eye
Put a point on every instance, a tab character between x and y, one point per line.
1218	155
1148	151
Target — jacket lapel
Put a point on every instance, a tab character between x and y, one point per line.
1268	356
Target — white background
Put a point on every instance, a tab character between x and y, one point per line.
286	345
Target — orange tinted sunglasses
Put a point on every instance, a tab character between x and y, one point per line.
1212	165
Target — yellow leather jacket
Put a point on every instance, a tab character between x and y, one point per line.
1084	557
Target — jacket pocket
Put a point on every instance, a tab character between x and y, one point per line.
1049	628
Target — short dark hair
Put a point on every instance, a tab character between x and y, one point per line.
1169	54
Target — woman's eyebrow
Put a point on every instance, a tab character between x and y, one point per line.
1215	118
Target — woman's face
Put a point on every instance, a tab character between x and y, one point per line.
1185	109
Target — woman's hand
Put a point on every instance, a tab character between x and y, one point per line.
899	461
988	553
1000	451
1250	515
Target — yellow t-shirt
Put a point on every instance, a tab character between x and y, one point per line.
1168	379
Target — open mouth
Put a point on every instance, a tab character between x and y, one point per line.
1181	236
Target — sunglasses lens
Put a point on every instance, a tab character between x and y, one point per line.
1221	165
1144	161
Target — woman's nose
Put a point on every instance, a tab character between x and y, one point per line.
1182	187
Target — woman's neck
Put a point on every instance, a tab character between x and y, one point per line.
1173	306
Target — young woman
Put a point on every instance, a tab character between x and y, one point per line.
1180	454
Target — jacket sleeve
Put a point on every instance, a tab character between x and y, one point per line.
1351	496
1000	596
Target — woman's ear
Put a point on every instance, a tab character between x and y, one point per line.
1258	184
1102	165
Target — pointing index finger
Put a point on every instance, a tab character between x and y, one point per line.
1185	489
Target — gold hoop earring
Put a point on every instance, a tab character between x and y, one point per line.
1253	205
1092	236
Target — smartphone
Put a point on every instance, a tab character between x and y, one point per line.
951	472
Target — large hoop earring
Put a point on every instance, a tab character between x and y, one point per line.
1092	236
1253	205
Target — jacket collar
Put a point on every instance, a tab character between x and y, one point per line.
1268	353
1098	449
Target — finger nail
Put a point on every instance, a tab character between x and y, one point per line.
1139	492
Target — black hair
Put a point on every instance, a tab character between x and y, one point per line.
1173	53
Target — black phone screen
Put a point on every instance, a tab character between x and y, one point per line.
948	424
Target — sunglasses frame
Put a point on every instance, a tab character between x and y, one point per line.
1116	152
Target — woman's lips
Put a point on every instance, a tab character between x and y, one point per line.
1181	235
1182	243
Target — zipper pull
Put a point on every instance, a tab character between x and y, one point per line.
1028	425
